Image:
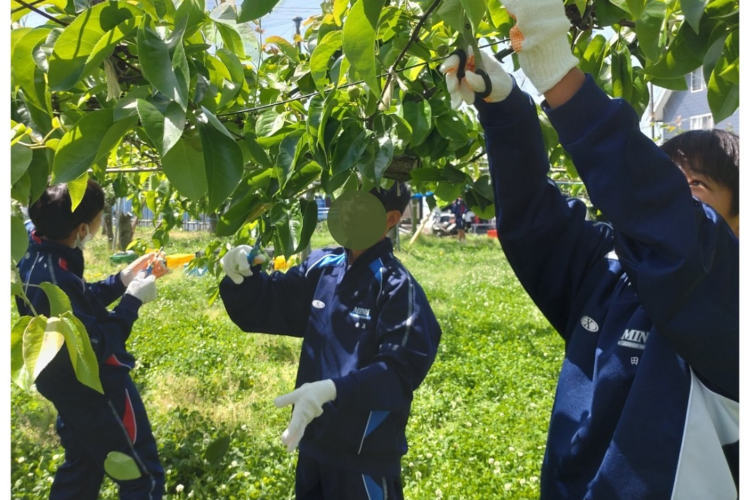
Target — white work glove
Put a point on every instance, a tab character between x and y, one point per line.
540	38
141	264
472	85
235	263
308	401
142	288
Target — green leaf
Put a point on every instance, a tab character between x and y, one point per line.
339	8
120	466
223	160
237	215
349	148
25	69
269	122
152	121
77	189
724	95
114	135
635	7
693	11
383	158
78	41
452	127
671	83
309	210
257	152
216	450
41	343
419	116
360	29
452	14
126	107
679	59
16	347
81	353
321	57
106	46
287	48
20	159
232	40
159	68
250	10
185	169
191	14
498	15
79	146
426	174
59	302
649	29
19	238
622	73
474	11
174	125
301	179
287	158
233	65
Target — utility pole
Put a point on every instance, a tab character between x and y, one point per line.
297	21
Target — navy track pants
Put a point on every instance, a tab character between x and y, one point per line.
316	481
90	430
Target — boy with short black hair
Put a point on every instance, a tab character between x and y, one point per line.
647	401
710	160
370	338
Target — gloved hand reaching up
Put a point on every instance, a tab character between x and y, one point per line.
236	265
308	401
540	38
465	84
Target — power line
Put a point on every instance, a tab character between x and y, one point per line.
500	55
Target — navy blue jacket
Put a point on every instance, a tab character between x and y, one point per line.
63	266
647	401
367	327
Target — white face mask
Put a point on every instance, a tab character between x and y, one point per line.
81	243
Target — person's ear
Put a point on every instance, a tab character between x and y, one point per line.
392	218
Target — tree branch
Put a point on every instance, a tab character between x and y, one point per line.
414	37
41	12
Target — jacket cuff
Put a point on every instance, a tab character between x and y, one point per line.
492	114
116	280
131	302
581	113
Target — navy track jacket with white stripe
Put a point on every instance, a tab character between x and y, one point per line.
369	328
63	266
647	401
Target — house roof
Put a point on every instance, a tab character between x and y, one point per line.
661	98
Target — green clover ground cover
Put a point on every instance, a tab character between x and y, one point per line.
478	422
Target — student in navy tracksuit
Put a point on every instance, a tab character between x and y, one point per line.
369	339
647	401
90	424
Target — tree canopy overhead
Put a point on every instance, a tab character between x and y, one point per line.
242	125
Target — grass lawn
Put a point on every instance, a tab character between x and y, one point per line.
478	423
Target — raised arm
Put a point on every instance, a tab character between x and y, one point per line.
546	237
679	253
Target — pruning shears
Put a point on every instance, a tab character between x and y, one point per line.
150	268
